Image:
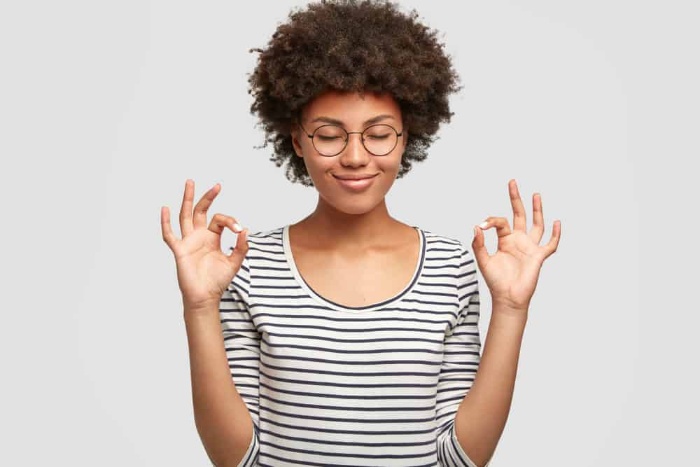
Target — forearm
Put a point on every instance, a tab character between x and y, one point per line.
482	414
221	416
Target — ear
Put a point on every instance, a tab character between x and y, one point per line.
296	134
404	138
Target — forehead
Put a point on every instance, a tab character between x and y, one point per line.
351	107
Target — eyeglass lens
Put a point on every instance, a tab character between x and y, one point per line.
379	139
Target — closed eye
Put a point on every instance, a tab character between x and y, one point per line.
378	137
328	138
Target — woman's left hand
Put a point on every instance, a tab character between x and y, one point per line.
511	273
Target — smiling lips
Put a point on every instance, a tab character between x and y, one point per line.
355	182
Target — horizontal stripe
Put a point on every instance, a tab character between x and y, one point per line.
332	385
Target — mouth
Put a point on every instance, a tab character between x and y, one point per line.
355	182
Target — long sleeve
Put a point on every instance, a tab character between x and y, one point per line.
461	359
242	343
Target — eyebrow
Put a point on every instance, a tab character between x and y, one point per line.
371	121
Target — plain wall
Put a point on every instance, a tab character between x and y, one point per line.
107	107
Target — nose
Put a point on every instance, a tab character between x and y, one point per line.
355	154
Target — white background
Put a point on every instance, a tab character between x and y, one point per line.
107	107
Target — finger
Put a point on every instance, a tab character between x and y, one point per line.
537	230
186	209
200	210
553	243
238	254
166	228
519	216
500	223
219	222
479	248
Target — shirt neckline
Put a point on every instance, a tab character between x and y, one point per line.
286	246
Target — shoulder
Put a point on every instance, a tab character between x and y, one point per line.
263	244
265	251
265	240
449	254
266	236
442	244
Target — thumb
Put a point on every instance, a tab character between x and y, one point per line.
238	254
479	248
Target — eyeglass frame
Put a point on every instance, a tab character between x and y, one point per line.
347	138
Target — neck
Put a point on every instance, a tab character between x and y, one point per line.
350	229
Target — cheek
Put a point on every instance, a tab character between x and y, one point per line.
317	167
392	165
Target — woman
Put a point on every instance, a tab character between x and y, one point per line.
349	337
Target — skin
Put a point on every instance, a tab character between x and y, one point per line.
221	416
350	250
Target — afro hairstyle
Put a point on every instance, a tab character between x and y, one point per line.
351	46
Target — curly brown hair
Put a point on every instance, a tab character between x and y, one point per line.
355	46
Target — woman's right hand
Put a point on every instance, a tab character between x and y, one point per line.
203	270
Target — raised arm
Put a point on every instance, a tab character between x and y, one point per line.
204	276
511	275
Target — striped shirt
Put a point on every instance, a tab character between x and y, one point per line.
328	384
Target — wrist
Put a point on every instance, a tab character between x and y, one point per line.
509	311
506	325
206	309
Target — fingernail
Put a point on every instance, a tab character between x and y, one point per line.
237	227
484	224
476	230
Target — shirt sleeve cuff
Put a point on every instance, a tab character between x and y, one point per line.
250	458
460	452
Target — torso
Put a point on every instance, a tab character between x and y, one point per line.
319	377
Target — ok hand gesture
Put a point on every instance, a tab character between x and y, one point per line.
511	273
203	270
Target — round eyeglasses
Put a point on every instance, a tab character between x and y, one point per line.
330	140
